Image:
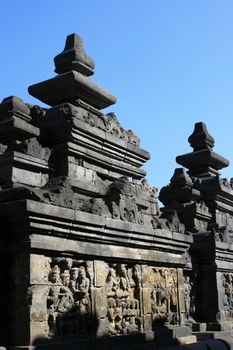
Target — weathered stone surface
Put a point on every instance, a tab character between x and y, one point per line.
87	257
202	161
204	205
69	87
73	57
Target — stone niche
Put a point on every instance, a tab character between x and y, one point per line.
87	255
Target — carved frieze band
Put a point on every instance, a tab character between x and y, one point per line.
116	298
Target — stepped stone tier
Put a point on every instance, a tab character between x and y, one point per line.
88	260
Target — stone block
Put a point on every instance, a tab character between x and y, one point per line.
181	290
38	330
102	328
146	296
27	177
101	273
219	326
59	89
147	319
181	332
100	302
38	307
199	327
21	269
187	340
39	269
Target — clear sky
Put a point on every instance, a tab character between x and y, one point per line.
168	62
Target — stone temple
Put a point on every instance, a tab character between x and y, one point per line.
88	260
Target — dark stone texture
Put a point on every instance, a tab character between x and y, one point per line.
69	87
74	58
203	202
202	161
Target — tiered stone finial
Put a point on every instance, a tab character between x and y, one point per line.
194	194
72	84
73	57
200	138
203	161
180	178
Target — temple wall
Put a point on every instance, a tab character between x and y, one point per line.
86	254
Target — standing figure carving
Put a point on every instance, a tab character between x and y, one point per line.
123	306
164	295
60	298
68	300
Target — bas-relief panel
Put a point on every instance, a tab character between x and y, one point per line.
227	296
190	295
68	299
164	295
125	298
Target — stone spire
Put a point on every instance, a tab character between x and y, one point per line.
72	84
195	193
203	161
200	138
73	57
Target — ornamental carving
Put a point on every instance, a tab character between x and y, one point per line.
68	300
226	311
227	283
164	295
114	296
123	302
189	297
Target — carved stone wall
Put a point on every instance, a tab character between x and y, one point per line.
85	250
71	297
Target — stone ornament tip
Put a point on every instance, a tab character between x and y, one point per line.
200	138
73	57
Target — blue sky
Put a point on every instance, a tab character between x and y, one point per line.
169	62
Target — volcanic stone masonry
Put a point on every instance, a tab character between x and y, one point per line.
86	255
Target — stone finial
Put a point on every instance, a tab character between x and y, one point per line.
200	138
203	161
180	178
73	57
14	105
72	84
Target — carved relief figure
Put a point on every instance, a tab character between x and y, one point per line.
82	292
189	297
164	295
68	298
227	283
112	283
121	200
59	298
123	306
